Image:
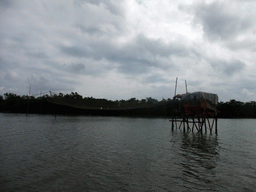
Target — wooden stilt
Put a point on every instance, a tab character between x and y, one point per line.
176	122
184	125
193	124
195	111
216	131
200	123
172	123
205	127
187	121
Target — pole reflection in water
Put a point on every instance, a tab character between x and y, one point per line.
198	158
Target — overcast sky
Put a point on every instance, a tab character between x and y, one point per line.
119	49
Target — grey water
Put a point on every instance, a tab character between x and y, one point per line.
82	153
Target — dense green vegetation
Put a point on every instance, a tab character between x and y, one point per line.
76	104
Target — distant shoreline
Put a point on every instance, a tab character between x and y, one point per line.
75	104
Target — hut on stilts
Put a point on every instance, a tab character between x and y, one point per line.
195	112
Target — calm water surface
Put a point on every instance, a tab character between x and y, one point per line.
41	153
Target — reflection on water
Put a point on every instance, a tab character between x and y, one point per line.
41	153
200	157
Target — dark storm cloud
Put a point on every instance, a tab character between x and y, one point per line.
112	6
218	22
73	51
39	55
91	30
11	76
247	82
122	45
53	77
99	18
229	68
247	44
156	78
158	47
46	82
78	67
3	64
194	83
143	53
136	56
6	3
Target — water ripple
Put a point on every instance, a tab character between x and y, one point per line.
40	153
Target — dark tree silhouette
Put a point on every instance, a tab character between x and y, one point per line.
74	103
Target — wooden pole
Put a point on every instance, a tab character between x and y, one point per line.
180	124
187	124
176	122
205	127
175	86
184	125
201	125
172	124
186	86
216	131
193	124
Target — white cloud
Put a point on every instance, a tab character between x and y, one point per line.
128	48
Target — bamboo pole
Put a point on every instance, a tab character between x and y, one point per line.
184	125
205	126
193	124
175	86
216	130
172	124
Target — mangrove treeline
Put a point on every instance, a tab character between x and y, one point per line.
75	104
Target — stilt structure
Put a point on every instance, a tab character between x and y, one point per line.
196	112
198	124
